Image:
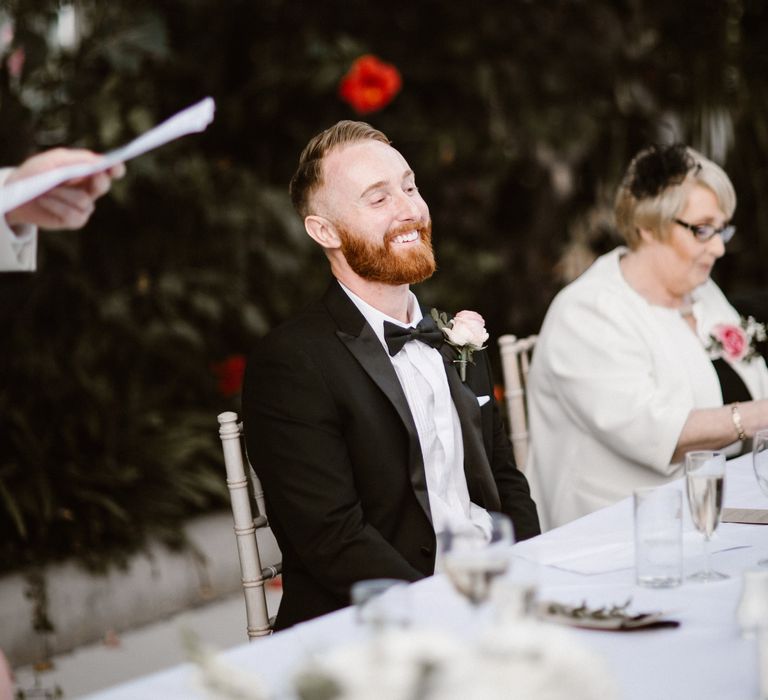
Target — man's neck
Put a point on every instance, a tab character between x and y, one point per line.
391	300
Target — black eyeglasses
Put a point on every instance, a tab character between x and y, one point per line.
704	232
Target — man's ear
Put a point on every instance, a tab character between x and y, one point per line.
322	231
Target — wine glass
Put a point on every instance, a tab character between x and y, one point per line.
760	465
473	557
704	484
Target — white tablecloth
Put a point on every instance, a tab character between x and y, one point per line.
705	658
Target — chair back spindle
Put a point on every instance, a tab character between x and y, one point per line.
254	576
515	362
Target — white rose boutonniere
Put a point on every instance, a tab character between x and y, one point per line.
465	332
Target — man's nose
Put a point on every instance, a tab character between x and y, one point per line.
408	208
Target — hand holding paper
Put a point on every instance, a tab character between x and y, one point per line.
68	205
79	171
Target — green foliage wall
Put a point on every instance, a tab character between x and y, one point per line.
518	117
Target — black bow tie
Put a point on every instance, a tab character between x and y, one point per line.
426	331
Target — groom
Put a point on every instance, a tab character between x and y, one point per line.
365	438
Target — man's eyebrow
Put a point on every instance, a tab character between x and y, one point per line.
374	186
383	183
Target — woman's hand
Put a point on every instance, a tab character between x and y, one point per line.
715	428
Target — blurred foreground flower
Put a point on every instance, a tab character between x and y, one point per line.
526	660
229	374
217	678
370	84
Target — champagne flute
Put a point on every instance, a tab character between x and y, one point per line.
705	482
473	557
760	465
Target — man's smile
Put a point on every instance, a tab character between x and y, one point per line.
406	237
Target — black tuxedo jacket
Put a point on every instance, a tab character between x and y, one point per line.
329	433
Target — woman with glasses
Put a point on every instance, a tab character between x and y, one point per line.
642	358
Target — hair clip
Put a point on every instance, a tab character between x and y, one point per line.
660	167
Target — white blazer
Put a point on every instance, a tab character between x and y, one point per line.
612	382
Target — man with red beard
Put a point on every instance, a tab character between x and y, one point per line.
367	445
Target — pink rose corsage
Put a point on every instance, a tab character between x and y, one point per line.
736	343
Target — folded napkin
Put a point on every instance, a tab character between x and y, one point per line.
600	554
616	618
748	516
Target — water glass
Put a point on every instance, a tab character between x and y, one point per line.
658	537
381	603
762	661
760	466
752	611
514	596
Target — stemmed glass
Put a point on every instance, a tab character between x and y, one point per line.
760	465
474	558
704	482
381	604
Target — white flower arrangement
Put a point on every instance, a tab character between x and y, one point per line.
526	659
219	679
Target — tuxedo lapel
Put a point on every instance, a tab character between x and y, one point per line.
362	342
477	468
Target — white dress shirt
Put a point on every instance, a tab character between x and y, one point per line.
421	371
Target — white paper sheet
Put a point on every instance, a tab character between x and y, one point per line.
602	553
190	120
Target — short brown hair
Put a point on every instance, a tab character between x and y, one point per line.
309	175
653	210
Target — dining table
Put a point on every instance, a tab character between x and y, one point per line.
590	562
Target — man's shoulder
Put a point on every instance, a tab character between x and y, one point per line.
330	315
308	326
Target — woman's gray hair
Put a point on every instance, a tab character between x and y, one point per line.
636	210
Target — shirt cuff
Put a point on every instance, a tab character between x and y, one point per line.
18	244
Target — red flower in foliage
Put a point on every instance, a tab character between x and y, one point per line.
370	84
229	374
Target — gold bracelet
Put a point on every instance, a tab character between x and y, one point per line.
736	418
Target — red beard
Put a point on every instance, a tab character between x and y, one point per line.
380	263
